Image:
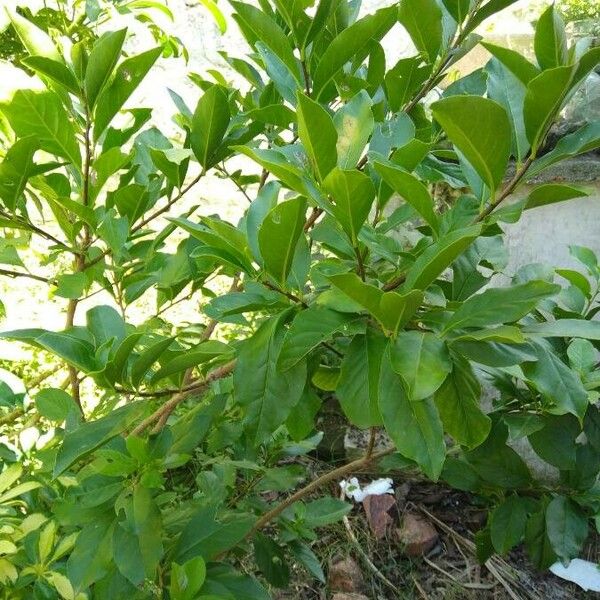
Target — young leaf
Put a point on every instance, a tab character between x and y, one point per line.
279	235
550	41
209	124
15	170
422	360
480	129
415	427
102	60
318	135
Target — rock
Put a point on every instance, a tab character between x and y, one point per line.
348	596
345	576
379	511
356	441
416	535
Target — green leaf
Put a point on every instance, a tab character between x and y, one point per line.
423	21
218	16
457	400
36	40
422	360
404	79
352	194
555	442
566	526
147	358
556	382
310	328
54	70
439	256
480	129
208	536
550	41
515	62
266	394
550	193
318	135
358	386
265	201
270	559
258	25
568	328
93	434
415	427
71	285
54	404
537	543
71	349
137	543
187	579
501	305
391	309
128	76
278	237
354	43
458	9
15	170
202	353
543	101
209	124
42	115
105	324
583	140
411	190
317	25
507	524
102	60
354	124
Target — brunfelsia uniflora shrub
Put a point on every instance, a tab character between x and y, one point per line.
348	274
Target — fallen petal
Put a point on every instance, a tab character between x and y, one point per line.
582	572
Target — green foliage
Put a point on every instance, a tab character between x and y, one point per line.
153	468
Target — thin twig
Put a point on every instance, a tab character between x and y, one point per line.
16	274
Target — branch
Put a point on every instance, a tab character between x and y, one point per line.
169	406
315	484
15	274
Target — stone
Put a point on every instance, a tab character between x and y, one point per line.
379	511
345	576
417	535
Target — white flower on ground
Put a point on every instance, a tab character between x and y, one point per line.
378	487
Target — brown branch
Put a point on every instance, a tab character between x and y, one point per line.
169	406
316	484
288	295
314	215
15	274
11	416
507	190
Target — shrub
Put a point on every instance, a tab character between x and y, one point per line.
346	273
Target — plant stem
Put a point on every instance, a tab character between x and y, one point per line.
316	484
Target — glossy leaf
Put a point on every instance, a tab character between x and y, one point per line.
479	128
209	124
423	21
550	41
102	60
354	124
318	135
278	236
